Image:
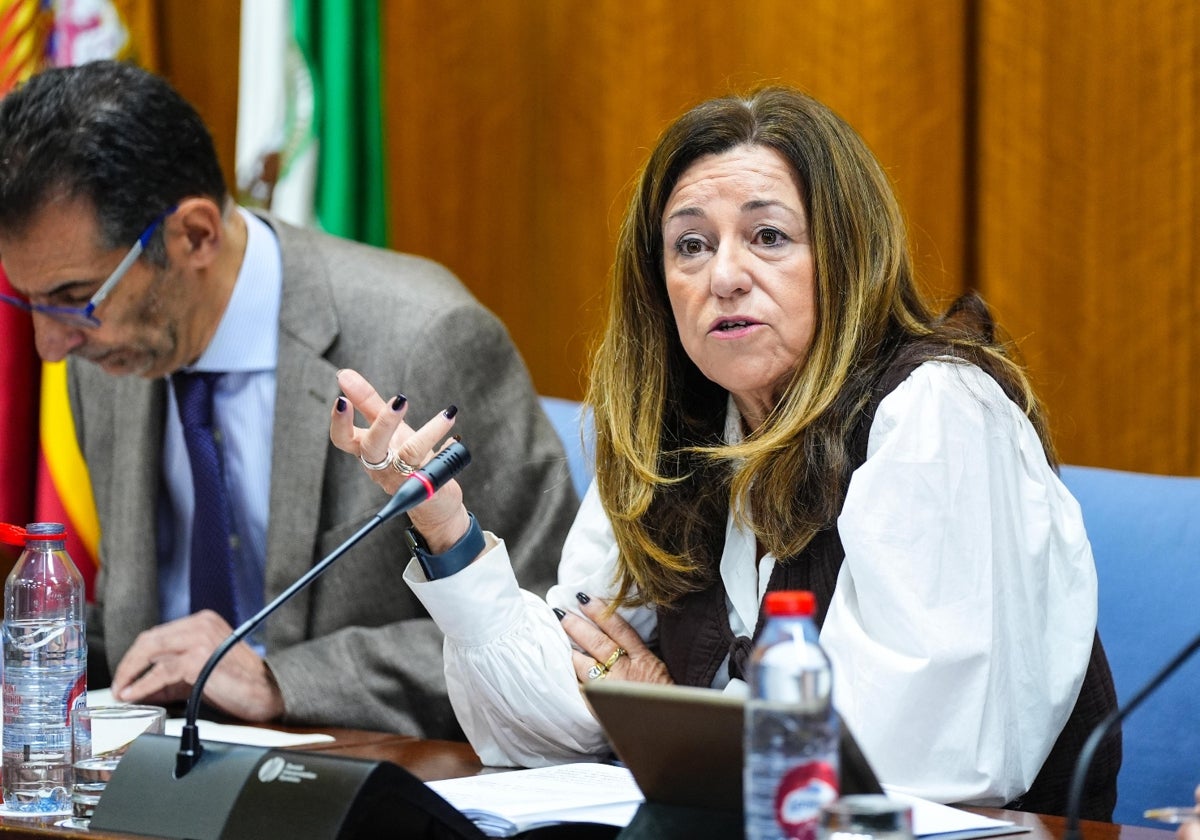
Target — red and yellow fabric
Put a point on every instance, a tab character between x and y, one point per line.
24	33
53	486
64	489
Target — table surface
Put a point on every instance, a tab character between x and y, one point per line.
430	760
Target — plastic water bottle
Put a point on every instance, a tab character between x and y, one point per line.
791	736
45	671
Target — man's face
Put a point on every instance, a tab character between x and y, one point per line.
59	260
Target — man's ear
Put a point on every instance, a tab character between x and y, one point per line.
195	232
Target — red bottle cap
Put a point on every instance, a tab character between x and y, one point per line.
791	602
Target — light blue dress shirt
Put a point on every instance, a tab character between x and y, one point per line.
244	348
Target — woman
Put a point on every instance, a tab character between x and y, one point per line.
776	407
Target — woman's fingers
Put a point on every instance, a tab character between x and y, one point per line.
374	444
384	417
341	426
612	630
389	448
361	393
611	647
416	448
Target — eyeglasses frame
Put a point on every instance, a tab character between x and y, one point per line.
83	316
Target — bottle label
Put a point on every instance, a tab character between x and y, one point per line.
77	696
801	794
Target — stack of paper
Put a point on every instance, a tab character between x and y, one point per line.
505	804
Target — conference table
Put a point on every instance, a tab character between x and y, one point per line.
429	760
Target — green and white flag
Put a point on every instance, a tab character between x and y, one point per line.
309	112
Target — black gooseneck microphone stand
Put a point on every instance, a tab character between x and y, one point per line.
421	485
224	791
1084	763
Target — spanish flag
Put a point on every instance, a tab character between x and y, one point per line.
43	477
24	43
64	490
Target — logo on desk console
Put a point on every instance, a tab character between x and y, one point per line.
276	769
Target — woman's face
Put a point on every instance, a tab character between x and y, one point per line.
739	272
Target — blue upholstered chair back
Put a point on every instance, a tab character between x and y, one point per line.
1145	535
574	426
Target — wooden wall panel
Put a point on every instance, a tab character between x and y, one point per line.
515	128
1088	217
198	54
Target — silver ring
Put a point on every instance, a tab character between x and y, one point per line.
597	672
387	459
401	466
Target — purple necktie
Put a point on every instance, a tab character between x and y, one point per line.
212	522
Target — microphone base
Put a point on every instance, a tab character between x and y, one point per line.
237	791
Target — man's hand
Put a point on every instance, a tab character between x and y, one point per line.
164	662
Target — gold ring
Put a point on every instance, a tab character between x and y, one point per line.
387	459
612	660
401	466
597	672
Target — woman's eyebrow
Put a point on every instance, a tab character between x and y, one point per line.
761	203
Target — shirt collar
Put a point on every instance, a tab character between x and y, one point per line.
733	423
247	339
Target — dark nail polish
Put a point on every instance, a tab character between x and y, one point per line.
450	412
560	613
581	598
456	438
341	404
398	402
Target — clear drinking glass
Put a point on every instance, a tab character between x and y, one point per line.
867	816
100	735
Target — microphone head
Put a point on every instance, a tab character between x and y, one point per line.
447	464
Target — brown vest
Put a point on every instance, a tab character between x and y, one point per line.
694	639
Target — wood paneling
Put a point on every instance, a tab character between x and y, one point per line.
1088	218
1045	153
198	54
515	129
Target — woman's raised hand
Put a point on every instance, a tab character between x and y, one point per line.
390	449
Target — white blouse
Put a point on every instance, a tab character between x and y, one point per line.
959	630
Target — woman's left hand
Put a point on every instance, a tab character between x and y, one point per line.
613	648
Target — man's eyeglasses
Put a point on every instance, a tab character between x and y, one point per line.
84	316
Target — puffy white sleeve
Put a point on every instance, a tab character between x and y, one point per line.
962	621
507	659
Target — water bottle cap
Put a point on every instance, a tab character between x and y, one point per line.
44	530
791	602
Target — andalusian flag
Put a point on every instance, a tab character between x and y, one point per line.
310	120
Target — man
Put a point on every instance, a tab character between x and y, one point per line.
97	157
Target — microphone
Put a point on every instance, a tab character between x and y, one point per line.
1084	762
162	787
419	486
